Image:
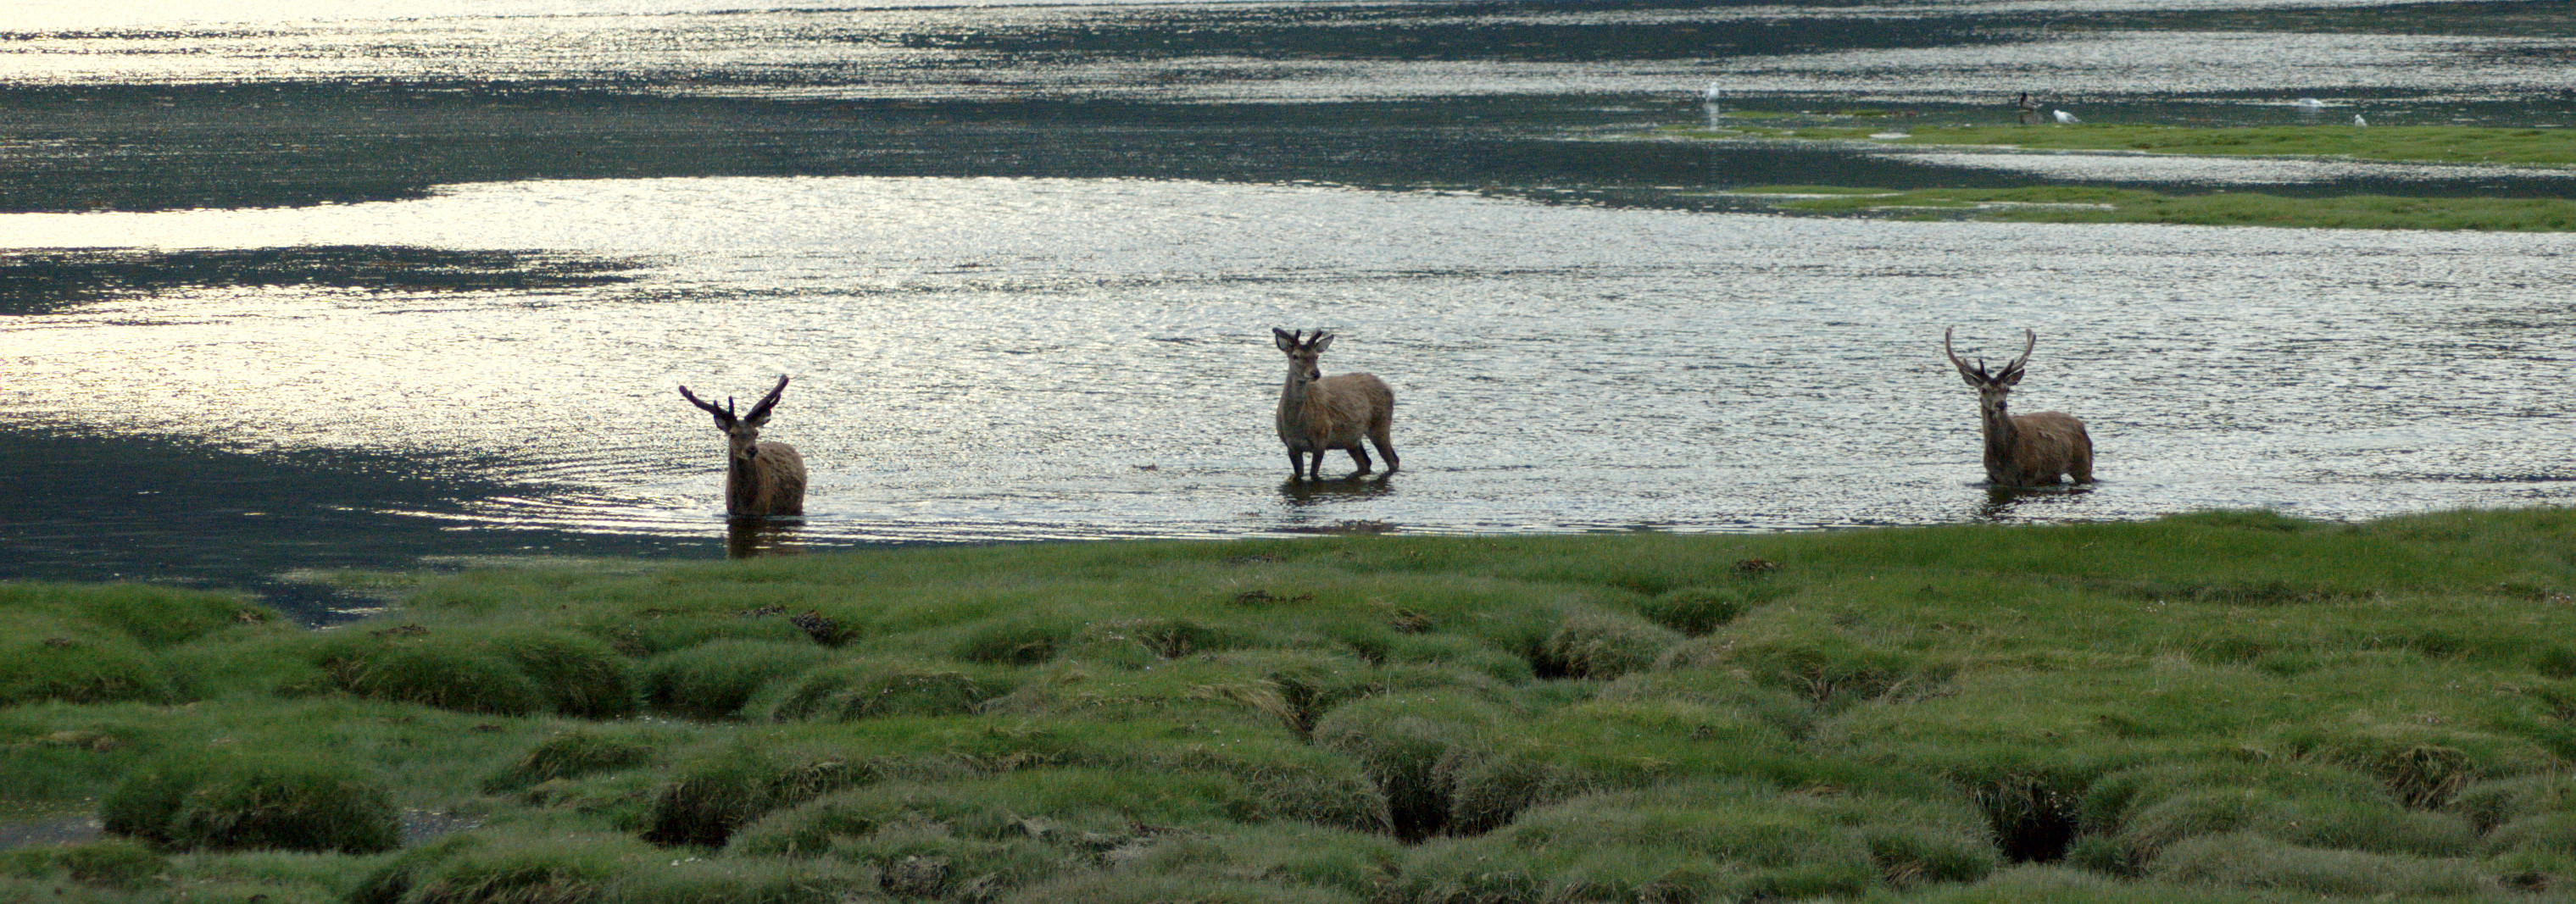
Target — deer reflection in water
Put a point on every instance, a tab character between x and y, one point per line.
1305	493
2007	503
752	537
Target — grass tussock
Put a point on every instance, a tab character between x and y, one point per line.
568	756
106	643
2229	706
278	800
2258	862
718	679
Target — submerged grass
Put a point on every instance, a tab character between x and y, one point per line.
2232	706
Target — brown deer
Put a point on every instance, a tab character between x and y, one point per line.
2024	450
1319	413
760	478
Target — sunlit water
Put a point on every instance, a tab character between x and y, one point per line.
1022	261
1958	53
1013	359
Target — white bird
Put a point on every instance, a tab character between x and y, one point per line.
2357	121
2308	103
1710	95
2064	117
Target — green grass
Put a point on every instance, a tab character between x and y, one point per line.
2230	706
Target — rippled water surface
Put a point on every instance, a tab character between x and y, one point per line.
350	289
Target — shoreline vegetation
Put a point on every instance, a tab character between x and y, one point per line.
2551	148
2219	707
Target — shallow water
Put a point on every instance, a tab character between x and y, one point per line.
361	290
1014	359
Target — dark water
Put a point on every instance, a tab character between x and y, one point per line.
298	286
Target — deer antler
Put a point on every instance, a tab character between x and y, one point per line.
1978	371
760	410
2031	341
723	415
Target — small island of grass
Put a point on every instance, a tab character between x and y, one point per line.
2086	204
2411	144
2092	204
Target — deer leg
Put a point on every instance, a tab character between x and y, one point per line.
1296	464
1384	448
1359	457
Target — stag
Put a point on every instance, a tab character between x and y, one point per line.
760	478
1318	414
2023	450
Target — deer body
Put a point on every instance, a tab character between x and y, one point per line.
1318	414
761	478
2024	450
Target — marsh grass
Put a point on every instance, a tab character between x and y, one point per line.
2229	706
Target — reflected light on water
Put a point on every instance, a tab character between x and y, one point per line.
928	50
1036	359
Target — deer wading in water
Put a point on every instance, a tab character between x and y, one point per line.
2023	450
760	478
1319	413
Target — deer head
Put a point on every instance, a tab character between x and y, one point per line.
1303	351
1992	387
741	432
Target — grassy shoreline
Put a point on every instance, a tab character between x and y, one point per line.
2229	706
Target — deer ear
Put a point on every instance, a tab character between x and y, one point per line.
1287	341
2011	377
1322	342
